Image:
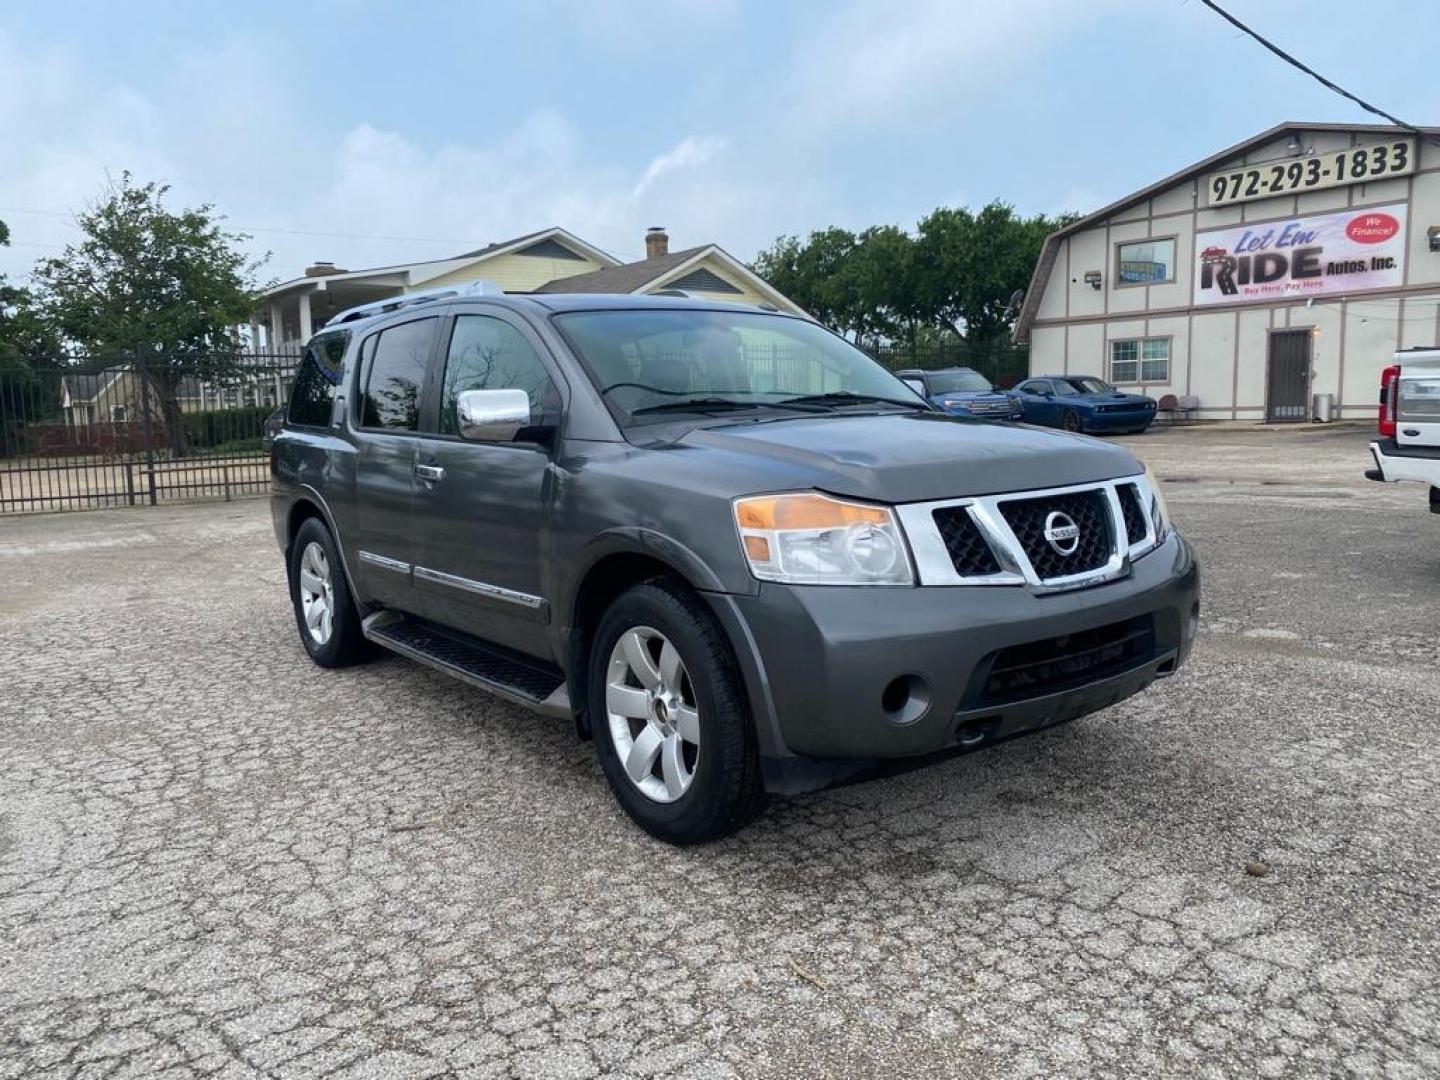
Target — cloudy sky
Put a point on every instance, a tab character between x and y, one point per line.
370	133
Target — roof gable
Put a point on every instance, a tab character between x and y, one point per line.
702	280
1046	262
569	245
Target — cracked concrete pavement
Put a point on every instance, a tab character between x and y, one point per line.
219	860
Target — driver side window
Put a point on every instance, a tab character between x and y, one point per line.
489	354
1036	386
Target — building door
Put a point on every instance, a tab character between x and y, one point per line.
1287	381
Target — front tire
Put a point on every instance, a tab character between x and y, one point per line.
1070	421
325	612
672	724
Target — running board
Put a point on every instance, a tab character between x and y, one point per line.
503	672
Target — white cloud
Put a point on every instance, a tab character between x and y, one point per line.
882	63
691	151
250	146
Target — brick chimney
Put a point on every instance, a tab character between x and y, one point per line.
657	242
322	269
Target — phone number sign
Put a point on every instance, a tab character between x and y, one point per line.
1319	255
1327	169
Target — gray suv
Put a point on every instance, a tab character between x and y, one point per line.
740	555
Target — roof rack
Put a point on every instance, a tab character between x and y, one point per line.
405	300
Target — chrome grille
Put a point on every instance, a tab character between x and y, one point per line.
968	549
1089	510
946	536
1134	511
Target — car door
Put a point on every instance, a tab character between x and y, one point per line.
1039	408
394	369
480	507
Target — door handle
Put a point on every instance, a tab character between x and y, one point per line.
430	473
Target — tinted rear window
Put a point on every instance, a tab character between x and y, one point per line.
395	375
317	380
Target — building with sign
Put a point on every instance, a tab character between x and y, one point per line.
1291	265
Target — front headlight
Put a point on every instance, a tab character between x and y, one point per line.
812	539
1159	512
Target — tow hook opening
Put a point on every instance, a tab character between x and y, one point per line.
973	733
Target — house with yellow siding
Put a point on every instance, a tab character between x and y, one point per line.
550	261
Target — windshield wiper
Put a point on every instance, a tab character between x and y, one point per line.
719	404
847	397
701	404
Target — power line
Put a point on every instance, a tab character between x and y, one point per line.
1321	79
627	255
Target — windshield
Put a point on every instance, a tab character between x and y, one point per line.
1086	385
653	364
958	382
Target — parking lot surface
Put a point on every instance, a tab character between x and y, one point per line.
218	859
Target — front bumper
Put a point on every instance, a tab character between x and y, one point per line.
1118	421
825	662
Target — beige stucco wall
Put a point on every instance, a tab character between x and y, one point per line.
514	273
1219	354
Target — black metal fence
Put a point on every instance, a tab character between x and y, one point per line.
1003	364
146	429
135	430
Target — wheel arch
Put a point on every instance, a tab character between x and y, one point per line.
612	563
307	504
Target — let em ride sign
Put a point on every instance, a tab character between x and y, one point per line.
1320	255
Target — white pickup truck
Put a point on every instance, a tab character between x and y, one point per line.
1409	444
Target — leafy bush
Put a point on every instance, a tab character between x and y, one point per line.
213	427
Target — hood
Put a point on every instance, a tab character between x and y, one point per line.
911	457
1110	397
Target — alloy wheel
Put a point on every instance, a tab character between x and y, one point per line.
317	594
653	716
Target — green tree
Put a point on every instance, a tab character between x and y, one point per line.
975	262
27	349
171	286
818	275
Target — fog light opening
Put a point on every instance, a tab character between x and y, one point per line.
905	699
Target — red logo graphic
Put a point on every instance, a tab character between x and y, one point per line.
1372	228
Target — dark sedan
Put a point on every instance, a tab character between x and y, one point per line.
962	391
1084	403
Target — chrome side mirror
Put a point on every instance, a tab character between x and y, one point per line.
492	415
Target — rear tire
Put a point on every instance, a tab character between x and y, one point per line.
670	718
325	612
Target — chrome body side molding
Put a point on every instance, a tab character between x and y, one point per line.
480	588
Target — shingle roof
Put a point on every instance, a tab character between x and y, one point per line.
84	387
502	244
625	278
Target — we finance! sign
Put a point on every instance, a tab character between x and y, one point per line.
1308	256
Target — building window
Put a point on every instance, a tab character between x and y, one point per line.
1140	360
118	414
1145	262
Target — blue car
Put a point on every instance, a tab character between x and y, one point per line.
1084	403
963	392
